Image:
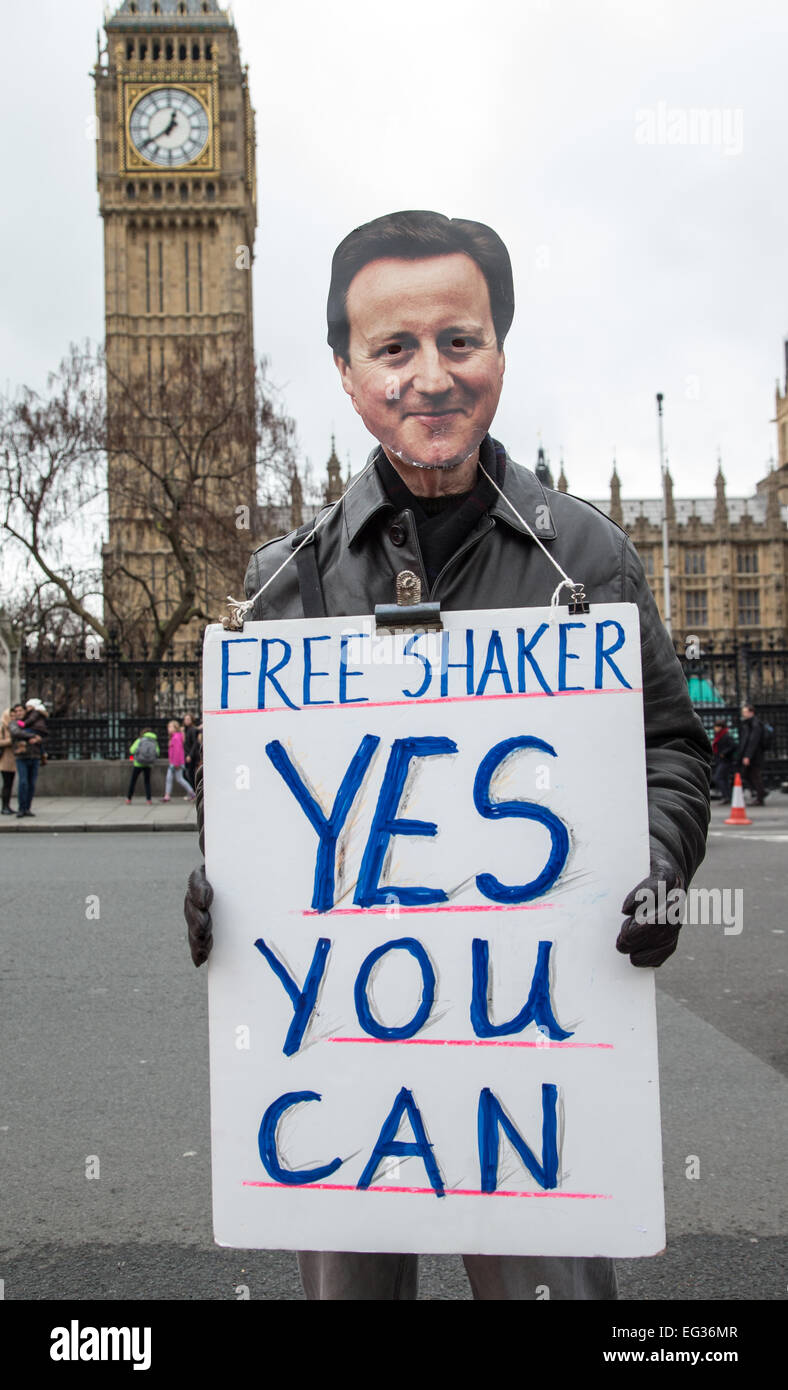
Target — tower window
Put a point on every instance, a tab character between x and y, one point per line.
181	8
747	561
695	560
147	284
182	52
199	276
204	8
186	274
170	190
161	277
209	50
156	7
195	51
184	192
131	191
129	50
156	49
169	50
749	608
210	191
157	192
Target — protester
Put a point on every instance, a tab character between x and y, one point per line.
418	309
751	752
190	739
143	753
723	748
7	759
30	735
175	757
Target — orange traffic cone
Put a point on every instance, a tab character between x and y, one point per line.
738	815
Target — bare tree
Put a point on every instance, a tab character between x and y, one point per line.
183	465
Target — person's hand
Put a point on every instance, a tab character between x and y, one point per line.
655	912
199	894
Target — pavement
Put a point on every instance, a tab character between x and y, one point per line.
64	814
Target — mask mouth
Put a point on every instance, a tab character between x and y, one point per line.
444	467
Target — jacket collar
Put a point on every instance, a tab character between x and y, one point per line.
367	496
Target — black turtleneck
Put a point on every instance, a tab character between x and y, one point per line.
442	523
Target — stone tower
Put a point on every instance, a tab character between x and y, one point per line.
176	181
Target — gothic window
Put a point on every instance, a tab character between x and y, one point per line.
169	50
186	274
749	608
199	276
157	192
695	560
129	50
195	51
147	277
209	50
156	46
648	563
697	608
184	192
161	277
131	191
143	49
182	52
210	191
747	561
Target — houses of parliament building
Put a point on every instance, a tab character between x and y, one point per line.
176	179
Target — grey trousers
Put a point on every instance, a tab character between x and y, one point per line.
346	1275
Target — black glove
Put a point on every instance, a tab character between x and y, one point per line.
655	914
199	895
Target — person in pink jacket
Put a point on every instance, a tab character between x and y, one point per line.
175	759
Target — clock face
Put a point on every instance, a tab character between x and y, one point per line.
169	127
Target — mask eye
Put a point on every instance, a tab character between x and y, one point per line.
459	342
393	348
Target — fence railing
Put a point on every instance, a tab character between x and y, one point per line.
97	706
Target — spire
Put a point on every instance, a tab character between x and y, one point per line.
542	469
563	485
296	501
721	503
773	513
334	488
616	510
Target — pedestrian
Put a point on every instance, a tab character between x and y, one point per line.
175	757
7	759
190	738
418	309
751	751
723	748
30	735
143	753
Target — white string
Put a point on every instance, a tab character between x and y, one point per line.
565	580
240	608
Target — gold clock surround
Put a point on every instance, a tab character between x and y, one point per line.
132	162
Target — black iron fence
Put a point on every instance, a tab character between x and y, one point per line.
724	676
97	707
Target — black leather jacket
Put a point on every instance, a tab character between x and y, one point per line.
367	542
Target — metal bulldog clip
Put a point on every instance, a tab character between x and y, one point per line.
408	611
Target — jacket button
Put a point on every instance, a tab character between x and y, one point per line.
397	534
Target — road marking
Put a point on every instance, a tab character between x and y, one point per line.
743	835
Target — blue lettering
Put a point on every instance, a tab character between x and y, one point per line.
408	650
266	675
385	824
365	1016
309	673
344	674
447	665
389	1146
226	672
494	650
303	1000
266	1143
528	810
564	656
328	830
492	1115
525	653
604	653
537	1009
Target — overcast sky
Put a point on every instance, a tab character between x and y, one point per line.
649	248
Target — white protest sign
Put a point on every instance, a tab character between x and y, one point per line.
422	1036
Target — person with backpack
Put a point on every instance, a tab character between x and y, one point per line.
143	753
751	751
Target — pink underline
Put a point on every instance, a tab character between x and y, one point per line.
464	1042
449	1191
432	907
433	700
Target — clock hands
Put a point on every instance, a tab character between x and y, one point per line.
168	131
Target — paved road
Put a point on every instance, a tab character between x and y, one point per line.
104	1046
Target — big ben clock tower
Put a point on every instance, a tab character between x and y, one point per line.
176	180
